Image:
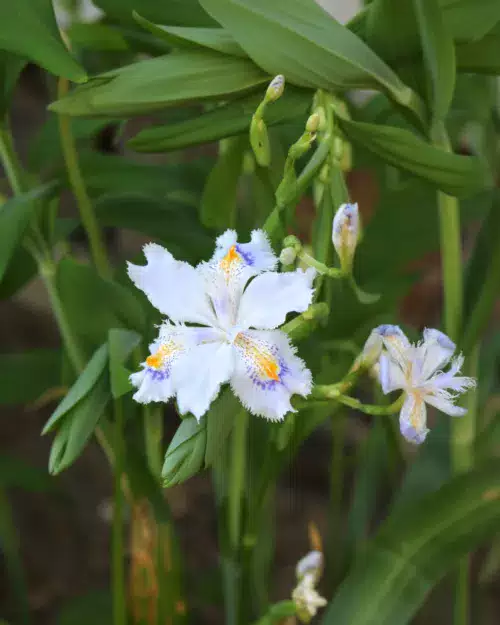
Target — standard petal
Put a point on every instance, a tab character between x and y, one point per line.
396	344
268	373
271	296
413	419
199	374
175	288
435	352
257	255
390	374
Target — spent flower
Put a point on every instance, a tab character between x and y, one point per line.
306	597
233	304
418	370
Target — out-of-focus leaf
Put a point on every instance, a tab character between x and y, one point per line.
21	269
186	452
219	424
439	56
94	305
178	12
15	215
414	548
453	174
10	67
83	385
480	56
218	204
95	607
224	121
26	375
469	20
308	46
121	343
193	38
391	28
175	225
29	29
145	86
97	36
482	278
16	473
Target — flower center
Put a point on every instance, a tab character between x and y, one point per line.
231	260
261	358
156	360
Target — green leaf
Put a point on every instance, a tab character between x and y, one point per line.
219	424
44	45
178	12
308	46
482	278
21	269
96	36
414	548
149	85
480	56
95	607
223	121
25	376
470	19
82	387
186	452
193	38
121	343
439	56
391	28
94	305
78	426
15	216
453	174
173	224
218	204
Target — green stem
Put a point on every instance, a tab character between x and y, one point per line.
332	392
119	597
237	478
9	158
10	547
89	220
47	272
153	437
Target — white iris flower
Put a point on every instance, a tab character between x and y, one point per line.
233	305
418	371
306	597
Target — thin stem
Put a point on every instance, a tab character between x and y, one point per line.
237	477
333	392
89	220
10	160
47	272
153	437
119	600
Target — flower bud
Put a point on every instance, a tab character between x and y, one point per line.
313	122
310	564
276	88
345	234
288	256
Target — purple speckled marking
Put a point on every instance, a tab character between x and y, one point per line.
247	256
269	385
157	374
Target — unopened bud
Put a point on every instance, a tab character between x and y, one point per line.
345	234
288	256
312	124
310	564
276	88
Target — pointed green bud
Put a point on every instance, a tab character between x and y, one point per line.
313	122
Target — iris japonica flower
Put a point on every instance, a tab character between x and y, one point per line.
221	325
418	370
306	597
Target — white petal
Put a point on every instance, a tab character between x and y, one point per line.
435	351
175	288
199	374
154	382
413	419
391	376
444	402
396	344
345	231
271	296
268	373
257	255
